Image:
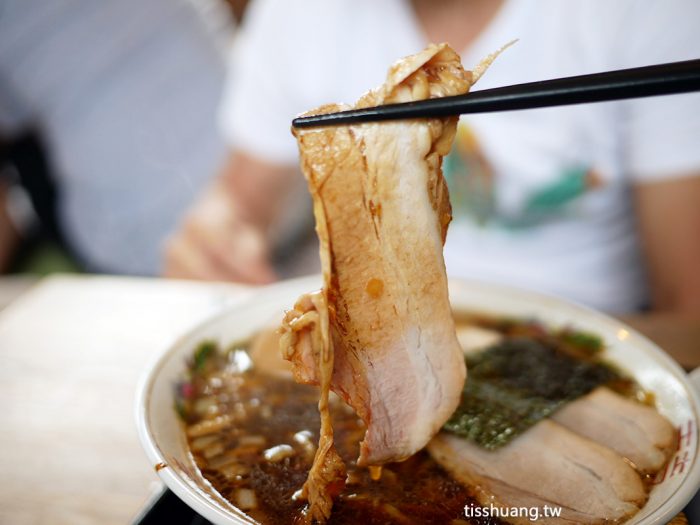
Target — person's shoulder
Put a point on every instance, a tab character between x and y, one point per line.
314	38
304	16
573	11
291	28
618	34
626	16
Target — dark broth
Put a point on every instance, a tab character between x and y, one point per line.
256	412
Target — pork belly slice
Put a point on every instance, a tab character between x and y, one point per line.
549	465
264	351
382	209
474	339
380	332
635	431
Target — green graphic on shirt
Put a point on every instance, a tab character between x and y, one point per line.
572	183
471	181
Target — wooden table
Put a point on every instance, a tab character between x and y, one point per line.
72	350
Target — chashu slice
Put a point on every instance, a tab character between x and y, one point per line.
380	332
547	465
635	431
382	211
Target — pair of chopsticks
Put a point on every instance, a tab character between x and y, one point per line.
661	79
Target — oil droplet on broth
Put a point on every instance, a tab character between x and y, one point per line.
375	473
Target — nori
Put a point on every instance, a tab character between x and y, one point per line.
518	382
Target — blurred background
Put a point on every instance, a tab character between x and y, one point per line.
107	127
153	139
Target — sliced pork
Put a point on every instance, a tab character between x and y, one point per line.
474	339
382	211
635	431
547	465
380	333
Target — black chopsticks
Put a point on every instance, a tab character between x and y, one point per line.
661	79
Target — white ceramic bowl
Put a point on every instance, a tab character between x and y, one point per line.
163	438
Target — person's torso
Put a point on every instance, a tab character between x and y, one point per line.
540	197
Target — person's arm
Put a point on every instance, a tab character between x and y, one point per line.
224	235
668	214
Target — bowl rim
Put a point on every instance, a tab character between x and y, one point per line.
169	476
663	513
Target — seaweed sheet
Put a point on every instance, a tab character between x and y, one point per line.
518	382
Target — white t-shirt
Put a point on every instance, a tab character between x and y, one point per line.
540	197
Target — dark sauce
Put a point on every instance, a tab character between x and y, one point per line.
260	412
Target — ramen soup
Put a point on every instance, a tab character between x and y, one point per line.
253	433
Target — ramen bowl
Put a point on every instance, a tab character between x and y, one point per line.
163	437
